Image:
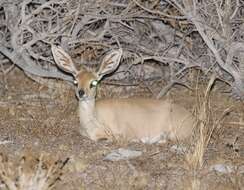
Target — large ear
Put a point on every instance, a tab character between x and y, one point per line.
110	63
63	60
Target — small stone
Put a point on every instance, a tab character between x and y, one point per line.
222	168
122	154
179	149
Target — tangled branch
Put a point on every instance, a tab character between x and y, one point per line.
180	34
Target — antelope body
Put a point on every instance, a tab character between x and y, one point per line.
146	120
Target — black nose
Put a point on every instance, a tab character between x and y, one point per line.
81	93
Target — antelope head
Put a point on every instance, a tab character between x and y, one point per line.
86	81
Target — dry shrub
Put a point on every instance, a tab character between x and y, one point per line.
207	123
30	173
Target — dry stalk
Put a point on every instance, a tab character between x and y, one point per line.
195	158
204	130
30	174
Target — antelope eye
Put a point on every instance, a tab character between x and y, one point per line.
93	83
75	82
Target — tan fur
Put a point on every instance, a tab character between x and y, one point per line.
136	119
146	120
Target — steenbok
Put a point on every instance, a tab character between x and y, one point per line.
142	119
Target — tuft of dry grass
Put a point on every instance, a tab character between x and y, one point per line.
206	125
204	131
30	173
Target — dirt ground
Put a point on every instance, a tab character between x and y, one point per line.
35	120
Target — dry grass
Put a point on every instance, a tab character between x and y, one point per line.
122	177
30	173
206	125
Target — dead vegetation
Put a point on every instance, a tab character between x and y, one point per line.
30	173
174	35
205	127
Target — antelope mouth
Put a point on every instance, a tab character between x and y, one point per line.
85	98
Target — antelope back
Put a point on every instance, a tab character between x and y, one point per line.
147	120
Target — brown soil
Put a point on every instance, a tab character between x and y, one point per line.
35	120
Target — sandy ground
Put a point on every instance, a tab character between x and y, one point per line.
35	120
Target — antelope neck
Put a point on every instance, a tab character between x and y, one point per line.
87	113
